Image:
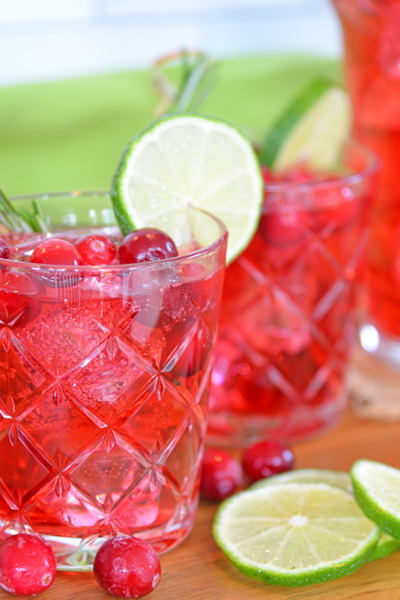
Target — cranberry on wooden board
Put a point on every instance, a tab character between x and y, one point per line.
221	474
127	567
27	565
265	459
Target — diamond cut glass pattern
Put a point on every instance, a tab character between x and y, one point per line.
103	399
288	309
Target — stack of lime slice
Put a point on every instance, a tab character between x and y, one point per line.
306	527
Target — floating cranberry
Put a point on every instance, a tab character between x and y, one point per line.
56	252
4	249
265	459
127	567
146	244
96	249
27	565
221	475
285	228
19	297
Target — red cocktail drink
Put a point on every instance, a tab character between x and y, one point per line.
372	59
287	315
104	376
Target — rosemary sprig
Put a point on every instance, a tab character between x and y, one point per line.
22	219
198	78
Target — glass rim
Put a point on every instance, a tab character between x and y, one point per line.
372	166
97	269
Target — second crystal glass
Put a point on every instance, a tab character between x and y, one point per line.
288	308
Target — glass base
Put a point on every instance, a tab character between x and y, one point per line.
303	423
384	347
73	554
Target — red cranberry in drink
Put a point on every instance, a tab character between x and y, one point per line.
56	252
146	244
96	249
221	474
265	459
19	297
4	249
285	228
27	565
127	567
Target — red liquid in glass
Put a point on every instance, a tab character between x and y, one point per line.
103	393
287	316
371	32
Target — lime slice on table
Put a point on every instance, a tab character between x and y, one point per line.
377	490
295	534
187	160
341	479
313	129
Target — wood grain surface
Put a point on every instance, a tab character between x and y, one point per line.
198	570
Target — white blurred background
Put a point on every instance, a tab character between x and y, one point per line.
42	40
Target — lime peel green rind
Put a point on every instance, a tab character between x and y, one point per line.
338	565
386	546
184	160
374	485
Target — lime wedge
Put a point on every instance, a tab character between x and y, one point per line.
339	479
295	534
188	160
377	490
313	129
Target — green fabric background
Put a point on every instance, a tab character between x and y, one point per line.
69	135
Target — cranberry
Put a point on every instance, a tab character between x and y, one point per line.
19	297
4	249
146	244
221	474
27	565
265	459
96	249
286	227
127	567
56	252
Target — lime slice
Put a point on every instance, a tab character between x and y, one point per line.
377	490
339	479
188	160
313	129
295	534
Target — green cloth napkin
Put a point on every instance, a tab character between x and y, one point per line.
69	135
